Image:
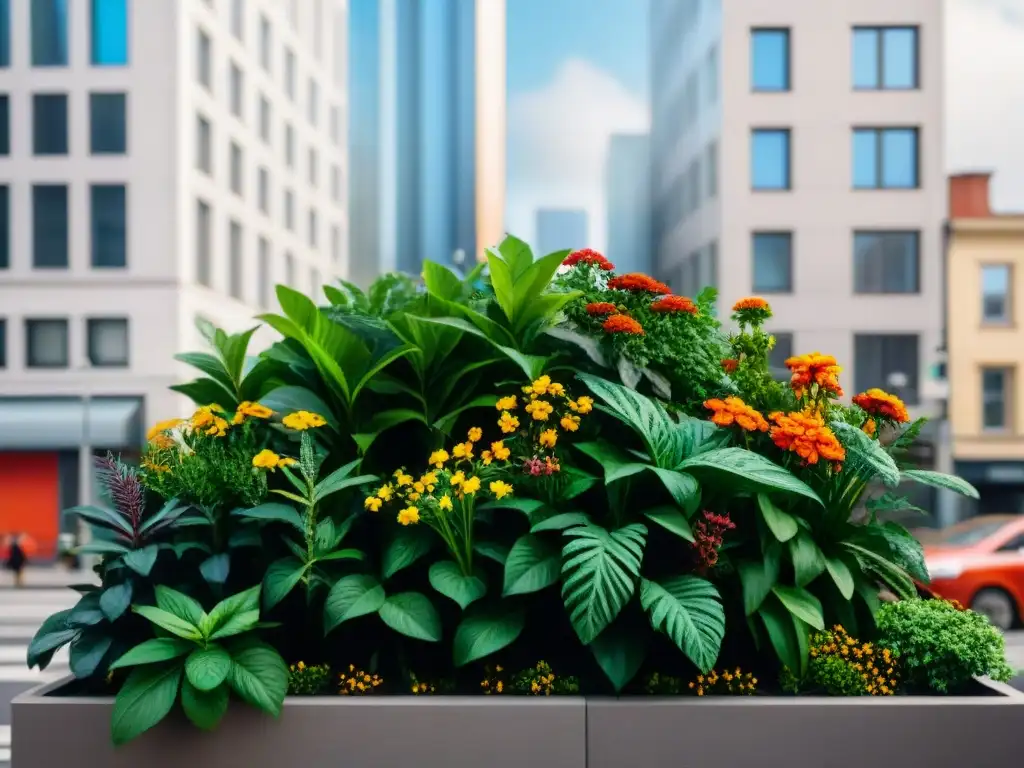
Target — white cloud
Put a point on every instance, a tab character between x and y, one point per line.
985	94
558	141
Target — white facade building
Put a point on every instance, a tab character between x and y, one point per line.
165	160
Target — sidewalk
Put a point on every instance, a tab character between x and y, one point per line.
48	577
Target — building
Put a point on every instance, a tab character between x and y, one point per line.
560	229
985	285
797	154
628	203
427	134
160	161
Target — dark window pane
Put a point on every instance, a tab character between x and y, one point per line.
5	226
49	21
769	59
263	273
46	343
50	124
50	226
773	262
769	161
5	33
203	233
3	343
886	262
108	131
109	225
235	260
995	293
5	125
108	342
110	32
888	361
994	391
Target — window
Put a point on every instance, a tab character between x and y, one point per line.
289	270
773	262
109	203
204	269
46	343
885	58
264	119
236	169
110	32
885	158
711	76
235	260
289	209
237	89
5	34
108	124
263	190
711	169
5	227
289	145
238	19
5	124
107	342
50	124
886	262
769	59
266	42
49	21
336	183
263	273
289	74
313	107
204	65
336	244
3	343
204	145
995	294
781	352
996	397
314	228
50	226
769	159
890	361
314	163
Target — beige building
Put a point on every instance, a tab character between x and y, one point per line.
985	269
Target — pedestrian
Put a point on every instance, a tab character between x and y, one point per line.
16	559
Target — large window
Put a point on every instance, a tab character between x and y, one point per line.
769	59
886	158
236	90
885	58
5	33
204	145
5	226
50	226
772	262
770	159
108	124
996	397
235	259
49	20
996	297
109	225
204	60
110	32
886	262
890	361
204	248
107	342
5	124
46	343
50	124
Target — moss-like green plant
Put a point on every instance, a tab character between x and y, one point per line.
940	646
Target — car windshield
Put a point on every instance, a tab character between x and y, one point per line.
966	534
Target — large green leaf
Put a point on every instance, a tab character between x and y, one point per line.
288	399
153	651
448	579
782	524
168	621
533	564
54	632
146	697
689	611
599	575
235	605
865	455
206	668
620	651
801	604
406	545
683	487
412	615
142	560
209	364
808	560
204	708
237	624
492	550
740	469
273	511
281	578
757	578
352	596
906	550
890	574
115	600
941	480
88	651
672	520
840	573
630	407
485	631
259	676
180	604
560	522
781	629
616	463
105	518
339	480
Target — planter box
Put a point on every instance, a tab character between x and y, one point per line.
316	732
569	732
856	732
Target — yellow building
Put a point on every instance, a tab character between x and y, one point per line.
985	344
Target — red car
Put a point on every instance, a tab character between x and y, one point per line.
980	563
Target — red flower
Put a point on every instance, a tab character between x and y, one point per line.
601	308
730	364
636	281
623	324
708	536
674	304
877	402
588	256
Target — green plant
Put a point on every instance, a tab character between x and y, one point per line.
841	666
940	646
308	680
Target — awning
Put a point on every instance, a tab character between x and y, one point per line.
40	423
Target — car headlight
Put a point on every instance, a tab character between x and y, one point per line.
945	570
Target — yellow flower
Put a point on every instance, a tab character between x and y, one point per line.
162	426
508	422
286	461
458	478
540	386
301	665
463	451
557	390
506	403
303	420
409	516
385	492
570	423
162	441
539	409
266	459
402	479
445	503
475	433
487	457
471	485
548	438
500	489
372	503
438	458
582	404
255	410
418	486
429	479
501	453
414	496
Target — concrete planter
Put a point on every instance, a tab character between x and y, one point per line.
569	732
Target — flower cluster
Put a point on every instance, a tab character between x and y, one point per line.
672	304
601	308
590	257
300	421
538	680
428	687
844	666
248	410
637	282
267	459
814	375
882	405
623	324
493	681
805	434
751	311
547	408
728	682
708	536
357	682
307	680
732	410
209	421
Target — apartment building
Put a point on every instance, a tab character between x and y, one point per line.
985	302
797	154
160	161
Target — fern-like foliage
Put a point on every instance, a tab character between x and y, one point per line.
689	611
124	490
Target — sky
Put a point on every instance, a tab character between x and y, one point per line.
577	73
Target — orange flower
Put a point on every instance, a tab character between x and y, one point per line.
877	402
588	256
806	435
601	308
638	282
730	364
750	302
623	324
869	428
733	410
674	304
814	368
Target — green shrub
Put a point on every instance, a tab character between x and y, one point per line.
940	646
